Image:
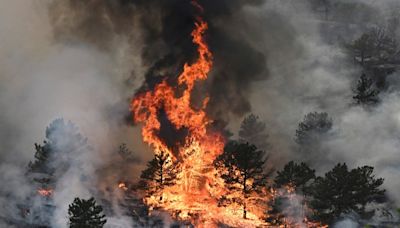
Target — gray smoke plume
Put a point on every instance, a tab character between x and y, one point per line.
84	60
165	41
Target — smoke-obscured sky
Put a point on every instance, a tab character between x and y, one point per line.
84	60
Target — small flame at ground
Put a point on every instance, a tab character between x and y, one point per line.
45	192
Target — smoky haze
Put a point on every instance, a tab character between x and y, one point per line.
84	60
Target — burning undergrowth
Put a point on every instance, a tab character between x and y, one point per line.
195	181
190	70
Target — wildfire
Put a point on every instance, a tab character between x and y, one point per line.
192	193
45	192
194	196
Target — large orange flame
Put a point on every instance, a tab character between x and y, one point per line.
192	193
194	196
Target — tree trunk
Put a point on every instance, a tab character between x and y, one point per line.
244	211
245	196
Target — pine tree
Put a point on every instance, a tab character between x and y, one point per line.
161	172
312	127
298	176
253	131
310	135
374	48
292	184
365	93
362	49
342	191
52	159
86	214
241	165
62	141
274	215
42	158
127	154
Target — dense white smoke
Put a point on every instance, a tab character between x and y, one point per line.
307	75
43	77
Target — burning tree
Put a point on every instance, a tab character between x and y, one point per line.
242	168
52	159
195	145
297	176
161	172
86	213
292	184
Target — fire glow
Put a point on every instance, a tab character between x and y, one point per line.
45	192
194	196
192	193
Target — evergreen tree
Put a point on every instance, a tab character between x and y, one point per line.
63	140
362	49
86	214
241	165
42	158
342	191
312	127
292	185
127	154
253	131
374	48
52	159
310	135
161	172
295	175
365	93
274	215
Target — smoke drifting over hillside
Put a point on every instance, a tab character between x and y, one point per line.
84	60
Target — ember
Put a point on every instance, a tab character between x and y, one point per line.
122	186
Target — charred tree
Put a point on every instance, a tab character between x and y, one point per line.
86	214
241	166
161	172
